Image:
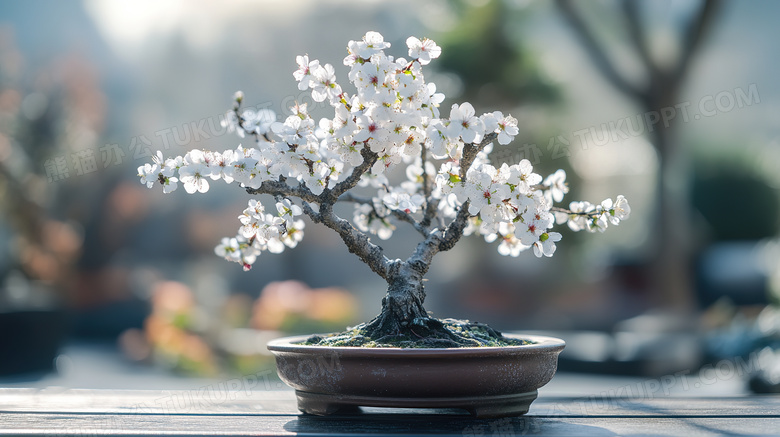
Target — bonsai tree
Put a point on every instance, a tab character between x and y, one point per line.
391	120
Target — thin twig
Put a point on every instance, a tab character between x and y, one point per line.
590	214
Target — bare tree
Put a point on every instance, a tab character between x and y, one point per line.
661	91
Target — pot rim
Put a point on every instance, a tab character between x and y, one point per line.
542	345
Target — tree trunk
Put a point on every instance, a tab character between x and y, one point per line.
671	248
402	306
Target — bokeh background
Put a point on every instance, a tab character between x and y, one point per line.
674	104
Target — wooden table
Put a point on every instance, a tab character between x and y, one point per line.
228	410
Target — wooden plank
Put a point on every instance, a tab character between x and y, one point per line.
379	425
206	401
752	406
269	412
273	402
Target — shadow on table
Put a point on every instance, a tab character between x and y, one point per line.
696	421
377	421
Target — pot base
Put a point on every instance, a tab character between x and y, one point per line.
479	406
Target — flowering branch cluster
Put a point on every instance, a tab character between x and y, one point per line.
393	118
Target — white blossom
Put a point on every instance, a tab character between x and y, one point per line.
424	50
294	234
620	210
546	244
578	220
323	84
464	124
229	249
368	220
148	174
169	183
258	122
406	202
303	73
193	177
288	211
556	184
504	126
372	43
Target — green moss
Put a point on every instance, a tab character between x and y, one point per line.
481	336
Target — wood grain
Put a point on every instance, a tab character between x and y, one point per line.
273	412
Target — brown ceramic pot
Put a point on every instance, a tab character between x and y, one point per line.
486	381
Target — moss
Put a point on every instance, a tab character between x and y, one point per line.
476	334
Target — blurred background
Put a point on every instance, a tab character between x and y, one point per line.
674	104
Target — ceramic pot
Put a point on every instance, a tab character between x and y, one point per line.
486	381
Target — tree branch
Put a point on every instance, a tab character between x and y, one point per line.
281	188
369	158
470	152
426	185
431	210
350	197
637	35
437	242
431	204
446	240
423	254
309	211
406	217
357	242
455	229
596	52
701	24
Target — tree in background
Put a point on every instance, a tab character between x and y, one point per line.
661	90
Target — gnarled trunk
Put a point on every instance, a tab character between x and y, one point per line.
402	306
404	320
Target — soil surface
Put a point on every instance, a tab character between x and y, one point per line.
433	333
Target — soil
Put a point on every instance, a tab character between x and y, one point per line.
425	332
